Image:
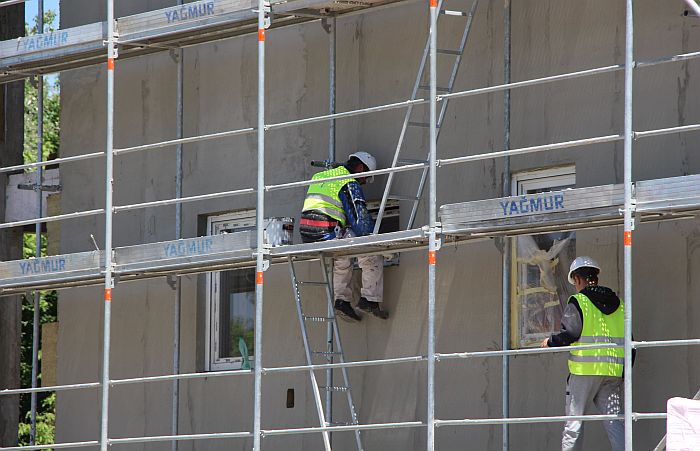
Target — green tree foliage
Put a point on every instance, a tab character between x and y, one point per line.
46	402
52	107
46	405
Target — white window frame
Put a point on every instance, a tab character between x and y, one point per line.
523	182
236	221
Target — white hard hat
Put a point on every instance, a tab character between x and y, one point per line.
581	262
367	159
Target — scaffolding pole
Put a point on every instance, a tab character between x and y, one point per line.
432	231
260	262
376	109
403	168
179	114
628	219
39	181
331	29
505	281
109	186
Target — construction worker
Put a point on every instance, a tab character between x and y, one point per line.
337	209
595	314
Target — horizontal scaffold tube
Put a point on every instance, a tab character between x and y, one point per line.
182	200
360	111
552	419
360	363
501	353
402	168
665	343
77	214
526	420
188	140
52	446
19	391
182	437
21	167
170	377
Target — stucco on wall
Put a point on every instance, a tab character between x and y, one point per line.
377	60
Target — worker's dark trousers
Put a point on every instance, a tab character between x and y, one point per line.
606	393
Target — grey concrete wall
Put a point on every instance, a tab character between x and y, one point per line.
378	58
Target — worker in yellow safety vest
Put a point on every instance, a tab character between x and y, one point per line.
338	209
595	314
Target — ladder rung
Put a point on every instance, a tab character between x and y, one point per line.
301	282
327	353
411	161
421	124
334	388
449	12
439	89
319	319
402	197
449	52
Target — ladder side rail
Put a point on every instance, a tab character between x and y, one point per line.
458	61
307	351
402	135
443	109
341	356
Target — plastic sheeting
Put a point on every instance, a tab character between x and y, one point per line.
683	425
542	289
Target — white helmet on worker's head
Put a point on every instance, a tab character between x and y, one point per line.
367	159
581	262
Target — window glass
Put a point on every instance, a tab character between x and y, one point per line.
231	304
540	265
236	313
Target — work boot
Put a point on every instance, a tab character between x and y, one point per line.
373	308
345	311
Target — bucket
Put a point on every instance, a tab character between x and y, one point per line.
278	231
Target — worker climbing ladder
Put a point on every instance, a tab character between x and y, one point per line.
332	353
410	122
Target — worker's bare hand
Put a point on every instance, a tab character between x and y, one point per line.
544	343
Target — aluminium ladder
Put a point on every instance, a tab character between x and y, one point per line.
456	55
333	350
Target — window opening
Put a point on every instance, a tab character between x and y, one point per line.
231	303
540	263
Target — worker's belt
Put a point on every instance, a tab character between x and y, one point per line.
316	223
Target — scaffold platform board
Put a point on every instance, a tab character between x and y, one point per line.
578	208
569	209
157	30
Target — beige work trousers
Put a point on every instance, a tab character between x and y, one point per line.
372	278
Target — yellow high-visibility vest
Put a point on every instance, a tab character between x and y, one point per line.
324	197
599	328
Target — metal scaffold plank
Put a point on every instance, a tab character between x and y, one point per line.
571	208
578	208
152	31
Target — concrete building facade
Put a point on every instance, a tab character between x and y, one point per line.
378	56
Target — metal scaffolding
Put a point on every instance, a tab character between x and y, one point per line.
591	208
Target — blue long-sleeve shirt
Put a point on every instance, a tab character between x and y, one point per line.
358	217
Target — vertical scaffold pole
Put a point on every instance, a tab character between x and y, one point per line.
39	193
332	89
111	56
629	219
174	426
432	246
260	263
331	157
505	307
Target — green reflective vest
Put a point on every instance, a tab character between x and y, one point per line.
324	197
599	328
